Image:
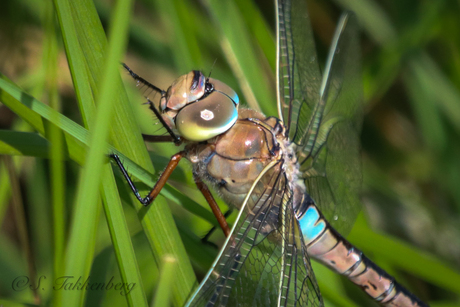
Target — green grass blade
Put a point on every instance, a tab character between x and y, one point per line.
126	136
436	84
237	46
260	30
373	19
15	304
20	219
23	143
87	194
186	52
75	59
121	239
19	108
163	291
50	53
5	190
157	223
77	136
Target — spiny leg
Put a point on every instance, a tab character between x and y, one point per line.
212	203
205	239
158	138
173	162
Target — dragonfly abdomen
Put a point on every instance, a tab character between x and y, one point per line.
327	246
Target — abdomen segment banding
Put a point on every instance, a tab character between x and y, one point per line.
327	246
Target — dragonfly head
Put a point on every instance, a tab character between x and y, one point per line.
199	108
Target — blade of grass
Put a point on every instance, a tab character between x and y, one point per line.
424	105
5	191
19	213
19	108
186	52
23	143
373	19
125	134
14	271
75	59
260	30
237	46
141	38
158	224
87	193
121	239
40	224
50	54
163	292
15	304
436	83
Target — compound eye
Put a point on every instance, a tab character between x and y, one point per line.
223	88
207	118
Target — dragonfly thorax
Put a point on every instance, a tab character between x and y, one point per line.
232	161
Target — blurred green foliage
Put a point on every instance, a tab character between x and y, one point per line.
410	138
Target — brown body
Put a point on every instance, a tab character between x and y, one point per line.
232	161
278	208
230	164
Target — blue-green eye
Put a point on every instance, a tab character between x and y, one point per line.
223	88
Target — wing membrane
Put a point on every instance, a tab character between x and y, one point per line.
299	77
324	117
264	262
330	154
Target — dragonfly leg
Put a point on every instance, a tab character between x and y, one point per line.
205	239
147	200
158	138
212	203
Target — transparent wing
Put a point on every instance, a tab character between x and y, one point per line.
329	150
264	261
324	117
299	77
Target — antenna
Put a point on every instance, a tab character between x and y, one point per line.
212	67
143	81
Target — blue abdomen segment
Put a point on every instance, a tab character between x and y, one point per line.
311	224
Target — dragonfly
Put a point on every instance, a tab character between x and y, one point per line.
288	175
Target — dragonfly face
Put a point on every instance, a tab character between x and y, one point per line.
199	108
